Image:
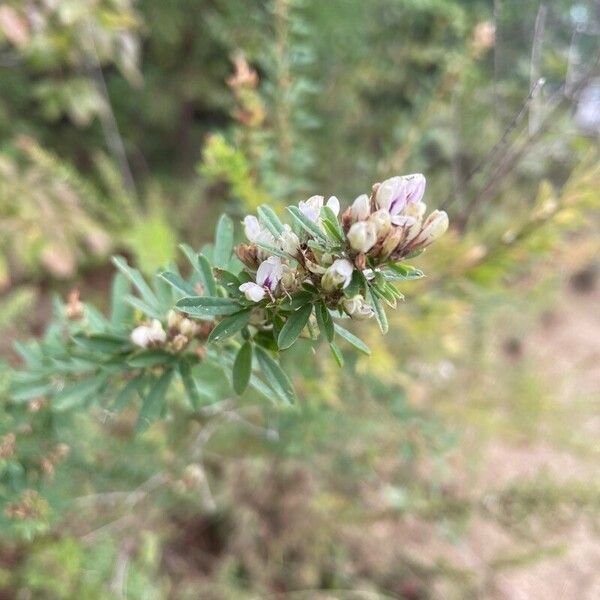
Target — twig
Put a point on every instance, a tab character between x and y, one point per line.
536	55
108	121
119	579
494	153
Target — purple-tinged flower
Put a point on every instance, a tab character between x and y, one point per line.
268	276
396	193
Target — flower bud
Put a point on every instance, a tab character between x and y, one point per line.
179	342
393	238
288	278
362	236
339	274
312	207
382	221
334	204
174	319
289	241
361	208
357	308
187	327
434	227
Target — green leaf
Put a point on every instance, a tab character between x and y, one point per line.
29	391
76	394
178	283
190	385
102	342
242	368
154	402
191	255
120	311
230	326
274	251
337	354
270	220
293	326
206	306
383	292
332	225
401	272
145	308
223	242
307	224
138	281
206	275
150	358
276	378
126	394
380	315
324	321
355	284
352	339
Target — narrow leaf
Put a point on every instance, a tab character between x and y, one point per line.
190	385
120	311
144	307
352	339
77	393
293	326
223	242
306	223
206	306
206	275
270	220
126	394
230	326
380	315
337	354
154	402
276	378
324	321
138	281
178	283
242	368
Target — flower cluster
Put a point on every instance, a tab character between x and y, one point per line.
326	252
180	332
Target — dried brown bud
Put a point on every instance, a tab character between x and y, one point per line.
244	76
7	445
361	262
74	308
248	254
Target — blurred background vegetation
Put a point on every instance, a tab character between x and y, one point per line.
460	460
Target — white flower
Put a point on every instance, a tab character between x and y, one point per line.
289	241
381	221
396	193
269	273
338	274
334	204
149	335
434	227
253	291
361	208
268	276
362	236
312	207
357	308
255	232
